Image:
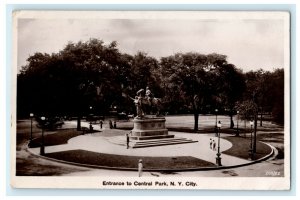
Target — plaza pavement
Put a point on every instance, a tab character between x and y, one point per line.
96	142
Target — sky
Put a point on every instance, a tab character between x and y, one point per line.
250	44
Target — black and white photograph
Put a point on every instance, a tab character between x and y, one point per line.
151	100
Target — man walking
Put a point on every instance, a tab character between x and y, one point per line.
140	167
127	140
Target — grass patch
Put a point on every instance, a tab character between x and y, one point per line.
110	160
57	138
280	154
240	148
32	166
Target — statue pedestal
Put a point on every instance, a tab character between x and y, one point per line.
149	131
149	127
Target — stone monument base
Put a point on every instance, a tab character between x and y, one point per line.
149	127
151	131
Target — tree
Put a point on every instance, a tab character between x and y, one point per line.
189	80
248	110
230	86
144	72
80	75
269	92
276	95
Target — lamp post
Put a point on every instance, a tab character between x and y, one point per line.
216	126
218	158
91	127
42	149
251	143
31	115
237	124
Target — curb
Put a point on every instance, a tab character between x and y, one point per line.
154	170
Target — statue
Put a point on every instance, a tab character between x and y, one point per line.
149	95
143	102
138	102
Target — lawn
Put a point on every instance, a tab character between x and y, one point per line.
109	160
240	148
60	136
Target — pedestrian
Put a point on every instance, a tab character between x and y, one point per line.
91	128
214	145
110	124
115	124
210	143
127	140
140	167
101	123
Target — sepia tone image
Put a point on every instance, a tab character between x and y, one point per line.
155	100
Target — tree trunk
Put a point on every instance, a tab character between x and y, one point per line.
78	123
255	130
261	116
196	118
196	111
231	122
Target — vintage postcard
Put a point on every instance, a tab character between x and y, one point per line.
151	100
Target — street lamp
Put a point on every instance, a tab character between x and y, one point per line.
31	115
42	149
91	127
251	143
216	127
218	158
237	124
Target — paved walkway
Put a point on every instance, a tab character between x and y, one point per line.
98	143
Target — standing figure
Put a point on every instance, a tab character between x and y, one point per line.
127	140
101	124
110	124
210	143
214	145
140	167
115	124
149	95
138	103
149	98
